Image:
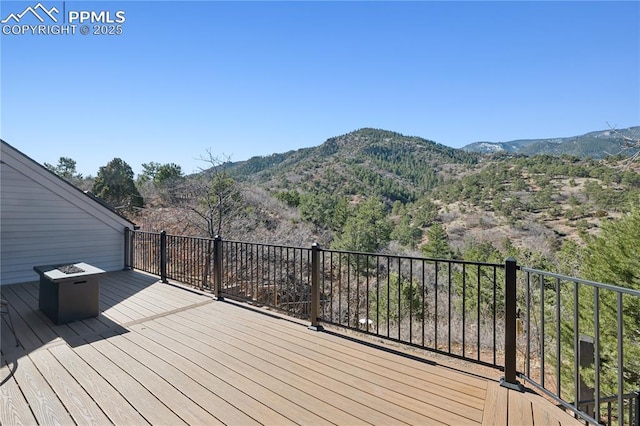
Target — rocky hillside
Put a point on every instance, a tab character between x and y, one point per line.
363	163
599	144
398	188
533	201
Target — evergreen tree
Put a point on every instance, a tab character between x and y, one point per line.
114	184
405	233
290	198
438	245
340	214
149	171
613	257
160	174
326	210
161	181
168	174
66	168
366	231
399	298
483	287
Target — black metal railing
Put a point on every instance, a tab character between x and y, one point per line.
143	250
534	325
190	261
269	275
575	344
449	306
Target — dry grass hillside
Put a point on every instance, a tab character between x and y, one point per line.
536	203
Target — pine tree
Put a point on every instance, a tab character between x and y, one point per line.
613	257
114	184
438	245
367	231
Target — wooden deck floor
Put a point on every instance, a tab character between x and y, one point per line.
159	354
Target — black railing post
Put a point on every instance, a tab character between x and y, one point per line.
217	267
509	379
636	397
315	288
132	250
163	257
127	249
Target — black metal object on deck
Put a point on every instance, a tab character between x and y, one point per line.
66	297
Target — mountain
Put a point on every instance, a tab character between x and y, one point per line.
536	203
595	145
361	163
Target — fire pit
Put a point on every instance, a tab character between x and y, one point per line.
69	292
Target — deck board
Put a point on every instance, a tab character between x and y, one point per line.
141	398
520	410
199	351
381	380
31	327
166	394
293	369
235	387
247	373
159	354
420	405
44	402
78	403
496	405
200	395
383	358
227	397
290	385
110	400
452	386
15	409
268	376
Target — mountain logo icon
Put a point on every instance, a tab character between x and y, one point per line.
38	11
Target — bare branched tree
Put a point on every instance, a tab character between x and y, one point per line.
214	196
210	200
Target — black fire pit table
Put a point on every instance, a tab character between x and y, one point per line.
69	292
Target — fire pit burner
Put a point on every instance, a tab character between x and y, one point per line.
69	269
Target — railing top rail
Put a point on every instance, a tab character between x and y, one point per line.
391	256
267	245
191	238
605	399
137	231
171	235
429	259
561	277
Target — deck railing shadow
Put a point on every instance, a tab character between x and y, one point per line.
529	324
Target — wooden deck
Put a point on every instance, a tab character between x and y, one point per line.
159	354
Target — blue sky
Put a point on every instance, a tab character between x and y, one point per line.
254	78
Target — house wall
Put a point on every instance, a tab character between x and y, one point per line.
44	220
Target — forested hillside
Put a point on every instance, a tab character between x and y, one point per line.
376	190
538	202
362	163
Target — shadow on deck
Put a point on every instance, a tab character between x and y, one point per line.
160	354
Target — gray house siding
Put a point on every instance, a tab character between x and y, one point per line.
45	220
